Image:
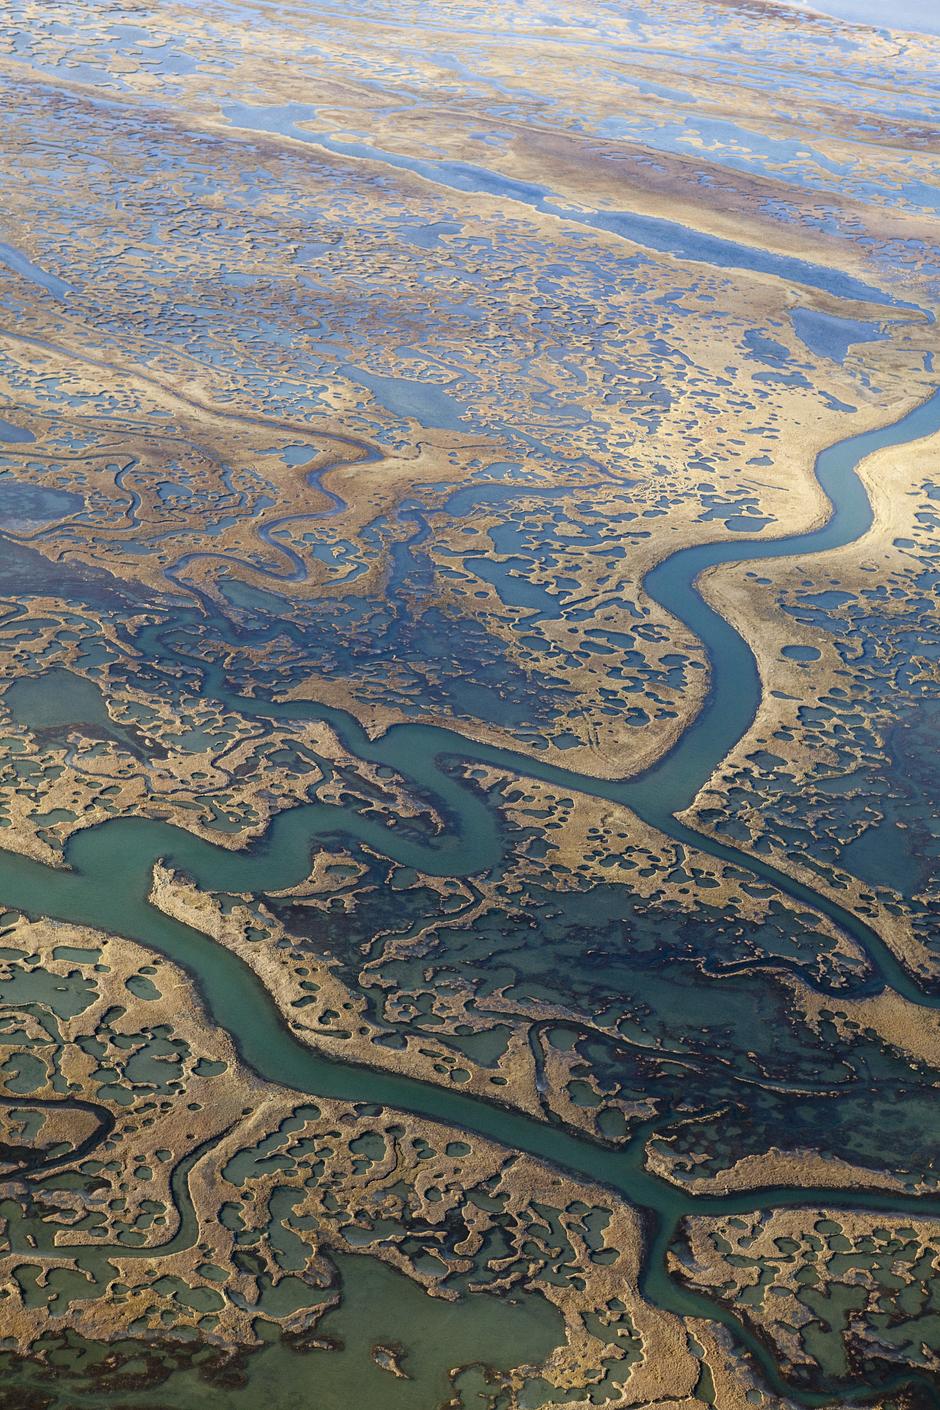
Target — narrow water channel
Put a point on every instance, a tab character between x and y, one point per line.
109	872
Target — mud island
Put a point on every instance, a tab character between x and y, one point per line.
470	506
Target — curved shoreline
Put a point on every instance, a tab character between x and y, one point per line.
108	883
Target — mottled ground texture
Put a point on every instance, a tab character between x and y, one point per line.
469	532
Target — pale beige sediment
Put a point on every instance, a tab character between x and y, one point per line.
733	1256
352	1036
891	477
197	401
239	1111
908	1028
775	1167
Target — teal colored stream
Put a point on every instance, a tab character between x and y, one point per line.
109	871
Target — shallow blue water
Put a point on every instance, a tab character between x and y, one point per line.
425	402
24	500
829	336
665	236
14	435
19	263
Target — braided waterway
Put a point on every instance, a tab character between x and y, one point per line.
109	869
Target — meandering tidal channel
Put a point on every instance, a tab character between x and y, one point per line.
109	871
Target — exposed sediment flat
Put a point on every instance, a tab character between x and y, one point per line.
468	699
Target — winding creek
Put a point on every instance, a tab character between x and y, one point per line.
108	878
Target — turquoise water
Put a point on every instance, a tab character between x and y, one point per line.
704	984
109	866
